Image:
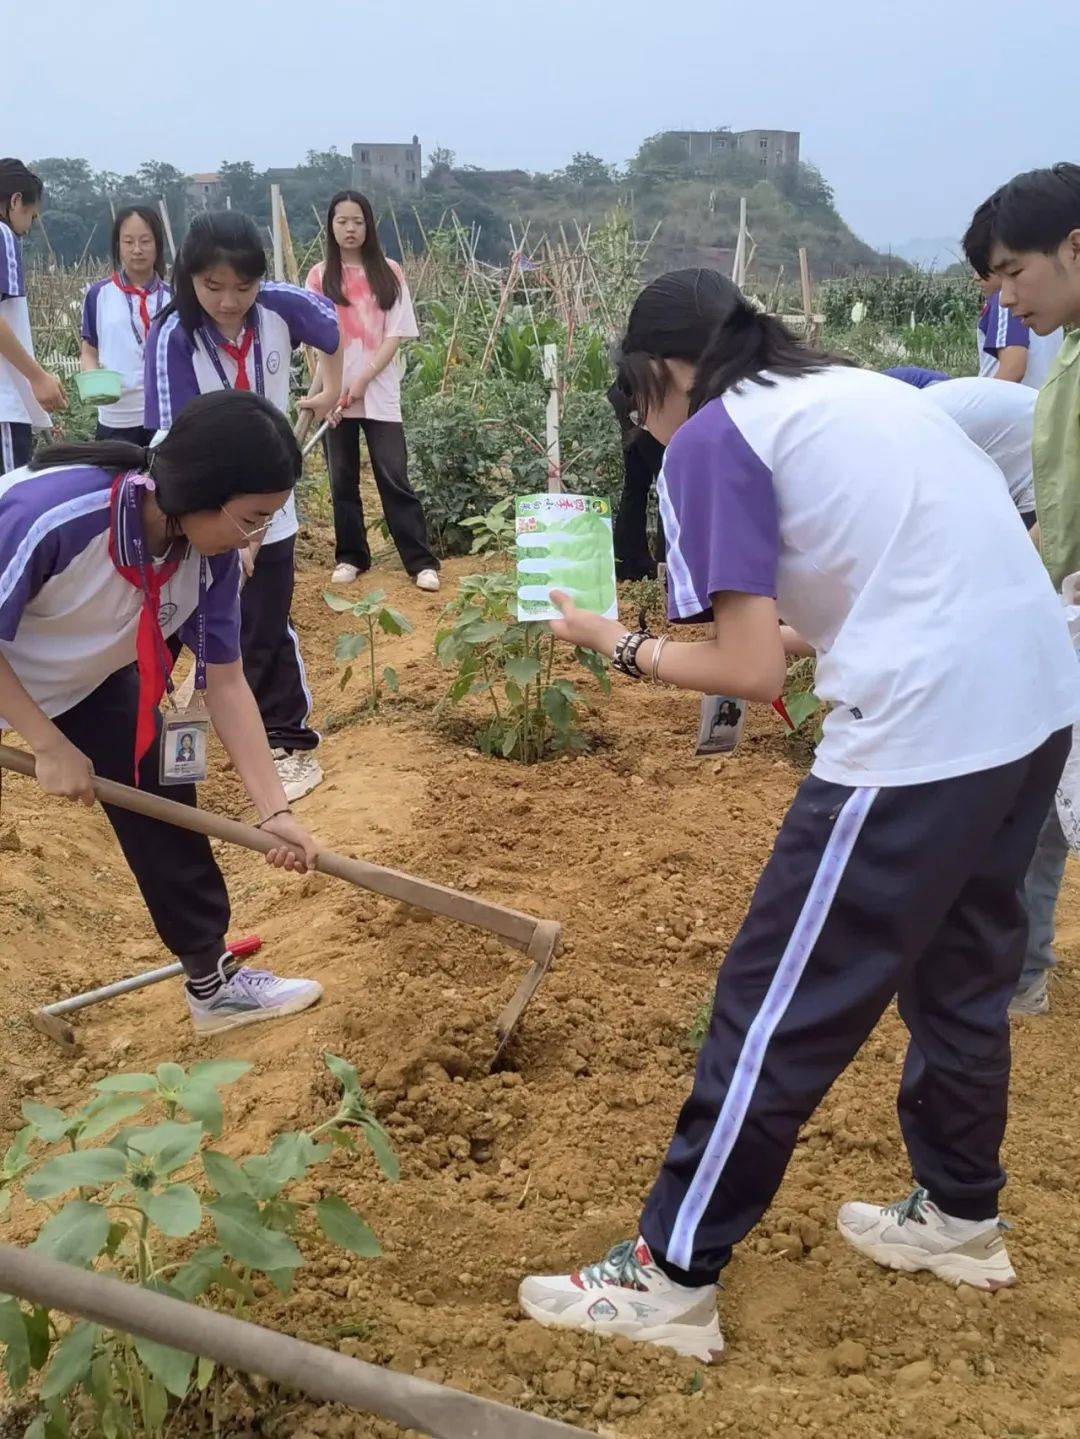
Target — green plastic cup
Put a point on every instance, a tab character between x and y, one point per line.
99	387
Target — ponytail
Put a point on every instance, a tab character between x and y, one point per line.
702	317
17	179
116	455
226	443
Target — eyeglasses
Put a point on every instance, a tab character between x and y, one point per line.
248	534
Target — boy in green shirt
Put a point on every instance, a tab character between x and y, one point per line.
1027	235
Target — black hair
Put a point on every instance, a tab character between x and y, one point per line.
979	237
385	285
214	237
1034	211
152	220
226	443
17	179
701	316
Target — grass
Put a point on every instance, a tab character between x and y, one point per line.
876	346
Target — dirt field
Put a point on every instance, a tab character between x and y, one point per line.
545	1164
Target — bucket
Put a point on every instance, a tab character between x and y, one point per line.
101	387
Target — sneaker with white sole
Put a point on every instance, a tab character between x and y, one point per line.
250	996
299	772
915	1234
626	1294
345	574
428	580
1035	999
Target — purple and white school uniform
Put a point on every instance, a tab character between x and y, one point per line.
180	366
68	627
998	329
890	543
20	413
114	321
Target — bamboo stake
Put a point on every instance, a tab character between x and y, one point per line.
275	230
167	226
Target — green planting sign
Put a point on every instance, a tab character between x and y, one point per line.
564	542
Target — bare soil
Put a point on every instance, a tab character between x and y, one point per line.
648	858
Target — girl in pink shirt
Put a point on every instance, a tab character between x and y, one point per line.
375	314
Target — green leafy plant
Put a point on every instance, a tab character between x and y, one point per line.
134	1216
493	532
804	708
376	615
509	666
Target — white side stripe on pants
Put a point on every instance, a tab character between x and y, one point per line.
7	449
789	971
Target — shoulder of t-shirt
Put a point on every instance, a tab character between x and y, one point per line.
38	503
12	278
315	277
311	317
94	290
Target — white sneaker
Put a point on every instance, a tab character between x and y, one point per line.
626	1294
250	996
1035	999
914	1234
428	580
299	772
345	575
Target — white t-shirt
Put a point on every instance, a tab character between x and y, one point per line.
17	403
180	366
998	418
890	543
112	322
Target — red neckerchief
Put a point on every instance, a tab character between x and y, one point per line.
151	652
239	353
144	296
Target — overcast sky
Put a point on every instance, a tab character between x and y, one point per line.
914	112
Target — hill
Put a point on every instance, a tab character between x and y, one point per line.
693	207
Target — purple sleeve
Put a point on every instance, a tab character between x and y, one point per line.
1001	328
311	318
12	279
720	519
45	522
89	314
169	381
222	612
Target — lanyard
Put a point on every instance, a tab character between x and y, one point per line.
127	550
130	290
212	341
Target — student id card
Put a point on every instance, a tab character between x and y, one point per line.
185	737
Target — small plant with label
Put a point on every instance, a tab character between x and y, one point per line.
376	616
509	664
136	1209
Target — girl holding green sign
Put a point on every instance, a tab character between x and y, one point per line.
796	485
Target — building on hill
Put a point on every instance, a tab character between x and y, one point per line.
387	166
775	149
203	191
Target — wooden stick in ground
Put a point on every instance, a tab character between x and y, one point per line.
431	1409
163	209
807	293
292	273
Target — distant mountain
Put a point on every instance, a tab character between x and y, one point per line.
928	254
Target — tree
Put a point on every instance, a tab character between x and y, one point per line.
68	183
330	169
241	183
441	157
588	169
